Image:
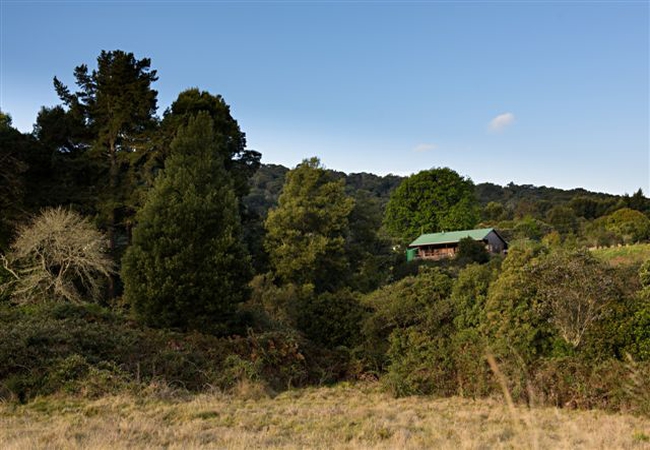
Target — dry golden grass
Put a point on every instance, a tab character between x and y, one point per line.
350	417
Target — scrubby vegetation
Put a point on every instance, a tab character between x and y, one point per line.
146	255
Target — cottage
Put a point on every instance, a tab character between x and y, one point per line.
445	245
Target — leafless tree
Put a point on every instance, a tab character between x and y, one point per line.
61	256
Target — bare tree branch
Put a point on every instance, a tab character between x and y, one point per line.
59	255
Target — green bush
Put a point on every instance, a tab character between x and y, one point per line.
88	351
331	319
516	326
468	343
644	274
530	228
420	362
639	325
470	251
473	375
573	382
408	333
431	333
399	306
75	375
236	370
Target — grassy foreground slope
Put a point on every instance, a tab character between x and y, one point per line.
341	417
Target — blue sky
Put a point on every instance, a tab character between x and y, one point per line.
544	93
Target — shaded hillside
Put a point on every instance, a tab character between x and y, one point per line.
517	200
267	182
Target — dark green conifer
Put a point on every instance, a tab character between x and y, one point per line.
186	267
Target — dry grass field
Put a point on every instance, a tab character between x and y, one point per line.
348	417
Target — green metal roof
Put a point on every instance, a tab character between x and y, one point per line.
450	237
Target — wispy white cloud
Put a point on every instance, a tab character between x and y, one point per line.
501	122
424	147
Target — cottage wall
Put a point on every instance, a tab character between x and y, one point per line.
495	243
437	252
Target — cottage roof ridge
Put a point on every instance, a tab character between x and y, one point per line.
451	237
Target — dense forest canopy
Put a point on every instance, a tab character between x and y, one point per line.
136	248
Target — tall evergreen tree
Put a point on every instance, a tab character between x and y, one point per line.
61	172
186	267
240	162
366	246
306	232
13	147
116	104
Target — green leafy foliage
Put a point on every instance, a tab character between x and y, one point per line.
87	350
431	201
495	212
331	319
529	312
239	162
547	305
627	225
306	233
14	147
470	251
640	323
563	219
399	306
187	267
366	247
432	327
117	105
514	322
530	228
591	208
577	289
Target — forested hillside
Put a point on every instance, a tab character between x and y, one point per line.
541	209
266	185
142	250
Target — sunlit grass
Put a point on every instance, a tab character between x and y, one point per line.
345	416
624	255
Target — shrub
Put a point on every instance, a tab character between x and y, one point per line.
639	330
88	350
75	375
514	323
276	306
421	362
470	251
331	319
530	228
408	334
624	226
573	382
399	306
576	289
468	343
